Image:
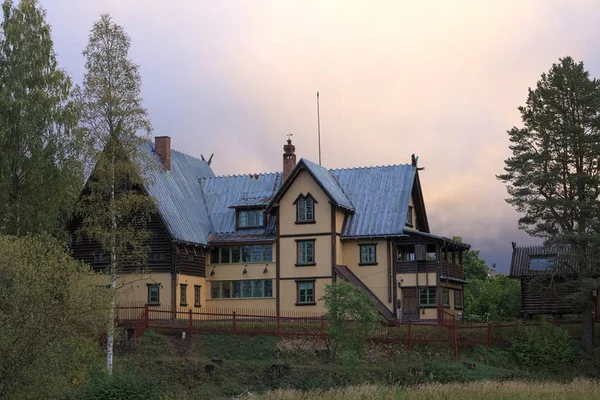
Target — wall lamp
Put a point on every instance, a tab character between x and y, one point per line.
212	273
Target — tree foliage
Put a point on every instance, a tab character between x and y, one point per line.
40	150
473	266
351	318
113	209
52	312
494	299
553	176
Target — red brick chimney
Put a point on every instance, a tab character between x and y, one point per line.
162	146
289	158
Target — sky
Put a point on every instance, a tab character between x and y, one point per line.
440	79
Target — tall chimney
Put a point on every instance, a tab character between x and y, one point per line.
162	146
289	158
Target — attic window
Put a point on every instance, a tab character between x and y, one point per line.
409	216
251	218
542	263
305	209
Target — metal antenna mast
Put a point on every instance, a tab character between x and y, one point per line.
319	126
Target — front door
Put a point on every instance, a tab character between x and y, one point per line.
410	310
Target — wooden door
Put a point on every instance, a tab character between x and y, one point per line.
410	310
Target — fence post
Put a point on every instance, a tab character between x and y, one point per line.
190	325
277	320
455	340
234	323
146	316
409	335
489	335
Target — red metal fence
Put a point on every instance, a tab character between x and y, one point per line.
306	324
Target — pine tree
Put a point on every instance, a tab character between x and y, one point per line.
113	207
553	176
40	160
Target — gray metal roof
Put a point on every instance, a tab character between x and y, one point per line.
521	259
261	202
223	192
329	184
380	196
179	197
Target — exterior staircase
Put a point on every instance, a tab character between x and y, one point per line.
346	274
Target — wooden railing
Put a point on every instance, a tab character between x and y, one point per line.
447	268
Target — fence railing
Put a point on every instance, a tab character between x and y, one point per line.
314	325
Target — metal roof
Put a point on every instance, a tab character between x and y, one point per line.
380	196
252	202
521	259
223	192
179	197
328	183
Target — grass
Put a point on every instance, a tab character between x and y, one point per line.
488	390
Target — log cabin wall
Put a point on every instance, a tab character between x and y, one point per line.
544	298
160	257
190	260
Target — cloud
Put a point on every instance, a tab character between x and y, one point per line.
439	79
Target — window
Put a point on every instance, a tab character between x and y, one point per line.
541	263
446	296
196	296
157	256
242	254
409	216
183	294
306	252
427	297
251	218
306	292
256	288
153	293
368	254
305	209
458	299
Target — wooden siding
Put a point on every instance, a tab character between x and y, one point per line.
160	257
190	260
539	298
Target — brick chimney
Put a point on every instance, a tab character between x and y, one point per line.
289	158
162	146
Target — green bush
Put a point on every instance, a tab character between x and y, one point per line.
123	386
546	346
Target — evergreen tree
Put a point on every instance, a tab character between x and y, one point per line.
40	165
113	209
553	176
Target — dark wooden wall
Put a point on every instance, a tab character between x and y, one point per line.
190	260
540	297
161	257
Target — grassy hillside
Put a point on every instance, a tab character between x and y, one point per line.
222	366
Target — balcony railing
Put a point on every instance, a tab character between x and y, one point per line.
447	268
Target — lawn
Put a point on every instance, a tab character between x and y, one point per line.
488	390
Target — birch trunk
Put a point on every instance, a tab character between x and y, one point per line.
113	276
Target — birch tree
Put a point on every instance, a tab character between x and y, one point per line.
113	209
40	166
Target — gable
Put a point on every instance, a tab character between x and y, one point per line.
420	214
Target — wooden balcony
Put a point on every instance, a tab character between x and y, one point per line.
448	269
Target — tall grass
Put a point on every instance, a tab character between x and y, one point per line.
577	390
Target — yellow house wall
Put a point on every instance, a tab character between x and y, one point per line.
289	258
191	281
234	272
339	221
410	280
452	286
133	288
304	184
374	276
289	293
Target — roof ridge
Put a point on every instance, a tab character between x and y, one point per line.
371	166
183	153
238	175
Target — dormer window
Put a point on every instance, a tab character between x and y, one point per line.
305	209
409	216
251	218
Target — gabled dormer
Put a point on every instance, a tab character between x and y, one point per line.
305	208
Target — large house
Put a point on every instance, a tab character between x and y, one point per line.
274	240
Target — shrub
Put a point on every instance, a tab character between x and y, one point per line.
124	386
545	346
